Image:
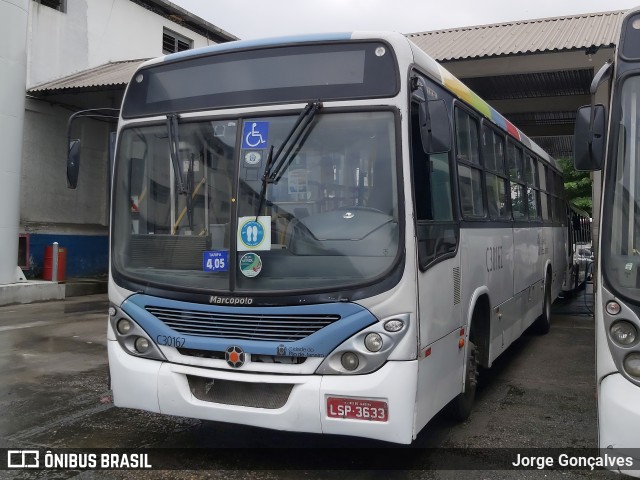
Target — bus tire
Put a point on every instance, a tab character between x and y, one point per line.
460	407
543	322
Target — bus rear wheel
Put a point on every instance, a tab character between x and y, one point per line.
460	407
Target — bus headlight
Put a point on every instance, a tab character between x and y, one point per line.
123	326
141	344
632	364
349	361
132	337
367	350
623	333
373	342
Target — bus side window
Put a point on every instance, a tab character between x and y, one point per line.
420	170
469	169
431	179
435	227
516	175
493	155
440	187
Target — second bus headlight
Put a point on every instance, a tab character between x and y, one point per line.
141	344
623	333
373	342
367	350
123	326
349	361
132	337
632	364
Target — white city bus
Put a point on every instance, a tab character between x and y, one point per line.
325	234
609	138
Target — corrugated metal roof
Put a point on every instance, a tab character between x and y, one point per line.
525	36
110	74
532	85
557	146
526	119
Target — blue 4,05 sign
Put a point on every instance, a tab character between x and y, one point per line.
215	261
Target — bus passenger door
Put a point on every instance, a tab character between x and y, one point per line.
438	278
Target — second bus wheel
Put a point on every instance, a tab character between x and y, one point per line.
460	407
543	322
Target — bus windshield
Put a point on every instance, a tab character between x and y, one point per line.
621	254
329	221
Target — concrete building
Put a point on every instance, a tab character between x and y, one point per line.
81	54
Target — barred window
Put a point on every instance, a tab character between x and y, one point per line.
173	42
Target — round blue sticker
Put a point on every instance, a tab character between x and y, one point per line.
252	233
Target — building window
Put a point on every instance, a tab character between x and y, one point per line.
173	42
60	5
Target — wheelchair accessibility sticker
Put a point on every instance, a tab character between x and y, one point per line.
255	135
254	235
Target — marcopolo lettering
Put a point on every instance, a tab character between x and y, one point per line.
215	300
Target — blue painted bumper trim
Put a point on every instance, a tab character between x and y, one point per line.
353	318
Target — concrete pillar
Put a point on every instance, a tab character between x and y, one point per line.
14	16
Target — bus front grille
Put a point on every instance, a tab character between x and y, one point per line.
270	327
242	394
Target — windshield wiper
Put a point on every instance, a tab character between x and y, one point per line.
273	171
174	145
182	187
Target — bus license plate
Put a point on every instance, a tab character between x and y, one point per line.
358	409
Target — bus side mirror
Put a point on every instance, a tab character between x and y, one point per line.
435	130
589	138
73	163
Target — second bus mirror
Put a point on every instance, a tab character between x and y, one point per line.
435	130
589	138
73	163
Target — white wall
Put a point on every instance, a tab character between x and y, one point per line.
91	33
13	29
45	202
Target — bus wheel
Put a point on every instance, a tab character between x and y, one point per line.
460	407
543	322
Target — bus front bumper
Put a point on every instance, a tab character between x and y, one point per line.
619	421
173	389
